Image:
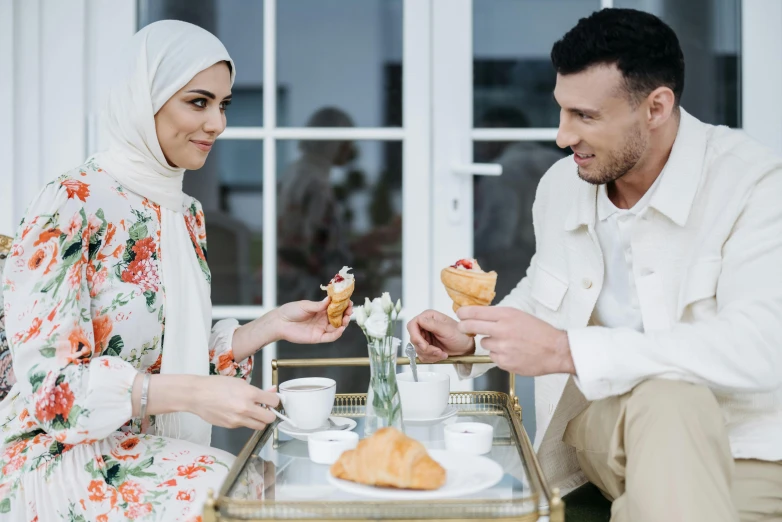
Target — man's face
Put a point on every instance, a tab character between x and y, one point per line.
600	124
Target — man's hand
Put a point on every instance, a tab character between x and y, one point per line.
436	336
517	341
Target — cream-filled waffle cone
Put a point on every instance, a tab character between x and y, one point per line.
468	285
340	288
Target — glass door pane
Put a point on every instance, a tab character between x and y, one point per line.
709	33
341	53
512	41
339	203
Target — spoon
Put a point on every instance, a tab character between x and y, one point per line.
410	352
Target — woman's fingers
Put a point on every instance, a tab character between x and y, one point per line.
267	398
329	337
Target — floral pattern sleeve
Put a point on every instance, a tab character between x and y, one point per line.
71	391
221	357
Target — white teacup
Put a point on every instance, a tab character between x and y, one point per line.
308	401
425	399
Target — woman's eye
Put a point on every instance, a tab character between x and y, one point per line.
225	104
199	102
584	116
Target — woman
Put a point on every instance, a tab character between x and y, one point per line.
108	311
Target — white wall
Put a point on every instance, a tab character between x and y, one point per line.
48	77
7	107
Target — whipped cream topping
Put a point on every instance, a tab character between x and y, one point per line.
341	281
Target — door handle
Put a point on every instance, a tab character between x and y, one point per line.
465	171
477	169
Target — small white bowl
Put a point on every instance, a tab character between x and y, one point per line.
469	437
325	447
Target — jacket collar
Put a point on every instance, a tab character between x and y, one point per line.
676	191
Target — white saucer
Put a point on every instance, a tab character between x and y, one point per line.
295	433
465	475
449	412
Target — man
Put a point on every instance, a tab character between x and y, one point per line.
652	309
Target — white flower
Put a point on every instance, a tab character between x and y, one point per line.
368	306
398	307
376	325
360	315
387	303
377	306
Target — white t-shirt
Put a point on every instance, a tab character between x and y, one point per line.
617	305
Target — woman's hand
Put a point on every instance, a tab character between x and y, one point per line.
306	322
300	322
232	403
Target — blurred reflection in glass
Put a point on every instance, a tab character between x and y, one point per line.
343	53
504	237
339	204
313	237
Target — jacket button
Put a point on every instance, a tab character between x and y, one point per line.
586	283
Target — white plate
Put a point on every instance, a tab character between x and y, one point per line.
290	431
465	475
449	412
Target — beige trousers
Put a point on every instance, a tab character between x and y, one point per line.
660	452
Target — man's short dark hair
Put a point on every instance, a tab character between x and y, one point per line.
642	47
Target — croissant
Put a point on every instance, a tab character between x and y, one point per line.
468	285
340	288
389	458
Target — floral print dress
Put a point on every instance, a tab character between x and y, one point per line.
85	313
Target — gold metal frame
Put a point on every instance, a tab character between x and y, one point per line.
556	511
5	244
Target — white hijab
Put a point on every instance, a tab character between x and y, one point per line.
161	59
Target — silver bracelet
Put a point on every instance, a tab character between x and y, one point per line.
145	396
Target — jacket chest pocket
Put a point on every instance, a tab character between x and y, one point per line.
549	292
700	282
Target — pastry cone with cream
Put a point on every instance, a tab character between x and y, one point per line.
340	288
468	285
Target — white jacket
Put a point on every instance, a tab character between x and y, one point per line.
707	257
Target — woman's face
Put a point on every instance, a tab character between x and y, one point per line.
189	123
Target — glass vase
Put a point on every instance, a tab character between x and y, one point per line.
384	406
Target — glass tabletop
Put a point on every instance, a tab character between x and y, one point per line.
277	480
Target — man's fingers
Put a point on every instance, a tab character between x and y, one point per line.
436	323
431	356
477	327
490	344
484	313
416	334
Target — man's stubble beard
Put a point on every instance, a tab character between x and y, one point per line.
619	163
